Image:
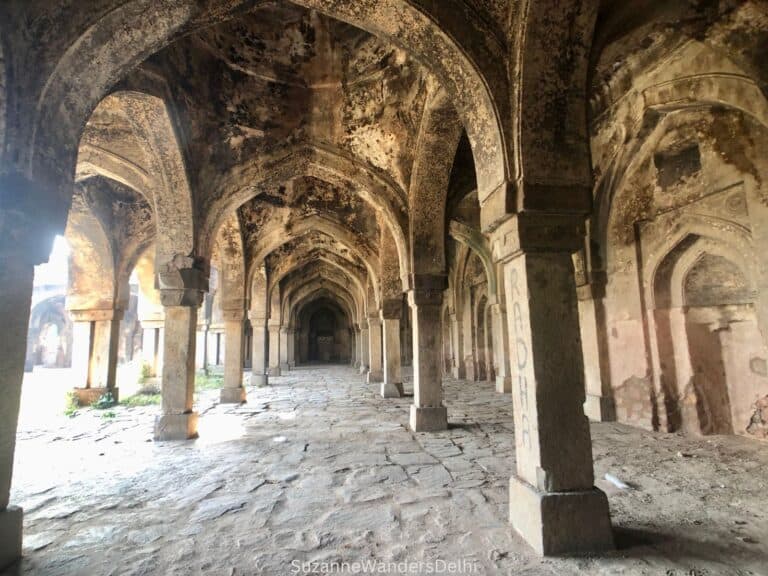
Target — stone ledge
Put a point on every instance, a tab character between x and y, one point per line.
11	520
428	419
560	523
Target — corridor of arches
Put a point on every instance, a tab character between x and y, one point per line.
563	202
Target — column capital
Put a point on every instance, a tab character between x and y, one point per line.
374	321
257	318
537	232
233	315
427	289
274	325
392	309
96	315
183	282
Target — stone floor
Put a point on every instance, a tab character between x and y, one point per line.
317	467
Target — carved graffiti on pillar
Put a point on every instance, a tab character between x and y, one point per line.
520	329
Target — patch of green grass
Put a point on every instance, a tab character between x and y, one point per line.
107	415
141	400
72	405
209	381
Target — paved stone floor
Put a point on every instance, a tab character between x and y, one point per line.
317	467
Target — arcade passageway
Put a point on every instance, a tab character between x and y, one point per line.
563	200
315	468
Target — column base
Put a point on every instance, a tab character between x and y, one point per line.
176	426
232	396
274	370
600	408
391	390
11	520
560	523
285	367
428	419
291	365
89	396
503	384
259	380
363	369
375	377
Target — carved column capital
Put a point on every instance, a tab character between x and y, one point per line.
183	282
537	232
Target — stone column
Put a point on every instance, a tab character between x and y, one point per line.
599	405
358	347
392	387
16	273
201	347
259	351
427	411
181	293
233	391
458	371
284	349
364	348
501	349
96	337
553	503
375	373
291	348
274	349
152	345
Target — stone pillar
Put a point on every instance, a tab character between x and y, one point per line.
291	348
284	349
233	391
201	347
458	371
375	373
364	348
259	351
599	405
501	349
152	345
181	293
274	349
392	387
358	346
427	411
96	337
553	503
16	275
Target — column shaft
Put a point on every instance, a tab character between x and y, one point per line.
392	387
259	352
427	411
501	349
284	349
233	391
364	348
16	279
291	348
178	421
375	373
274	350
